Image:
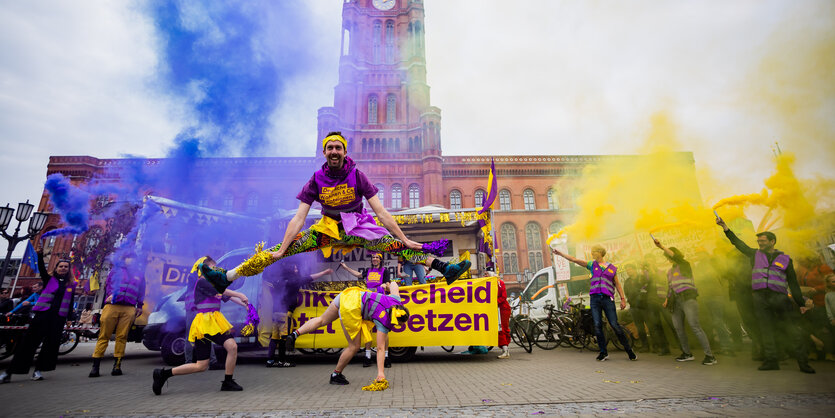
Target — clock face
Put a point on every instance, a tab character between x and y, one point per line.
383	4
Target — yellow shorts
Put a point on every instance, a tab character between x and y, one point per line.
279	326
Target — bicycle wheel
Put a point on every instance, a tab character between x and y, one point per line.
523	338
546	334
69	340
448	348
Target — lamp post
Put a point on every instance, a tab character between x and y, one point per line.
36	223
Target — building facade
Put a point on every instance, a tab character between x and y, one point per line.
382	106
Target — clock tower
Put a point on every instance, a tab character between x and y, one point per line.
381	103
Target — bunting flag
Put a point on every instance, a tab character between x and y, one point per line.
30	258
492	189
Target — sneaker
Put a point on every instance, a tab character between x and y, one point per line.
453	271
217	277
685	357
387	363
709	361
5	378
230	386
273	363
159	381
338	379
769	365
602	356
290	342
36	375
504	354
367	362
806	368
632	355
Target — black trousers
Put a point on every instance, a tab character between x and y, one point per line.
779	321
45	330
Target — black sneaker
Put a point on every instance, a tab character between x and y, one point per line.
367	362
387	363
290	342
159	381
709	361
5	378
338	379
602	356
685	357
806	368
217	277
631	355
454	271
230	386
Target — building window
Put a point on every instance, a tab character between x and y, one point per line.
381	193
414	196
553	200
504	200
390	41
533	239
455	199
277	201
396	196
372	109
375	39
203	202
575	198
555	227
391	109
252	203
478	198
228	202
529	199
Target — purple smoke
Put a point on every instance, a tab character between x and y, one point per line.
70	202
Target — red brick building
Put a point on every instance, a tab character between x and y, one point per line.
382	106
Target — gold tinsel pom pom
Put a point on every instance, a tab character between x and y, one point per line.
377	386
255	264
247	330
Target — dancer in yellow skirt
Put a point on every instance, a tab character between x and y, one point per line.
209	326
359	310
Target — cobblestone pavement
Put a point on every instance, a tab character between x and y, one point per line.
558	382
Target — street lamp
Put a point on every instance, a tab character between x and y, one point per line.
36	223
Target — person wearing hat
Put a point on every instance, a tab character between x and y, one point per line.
360	310
339	186
681	297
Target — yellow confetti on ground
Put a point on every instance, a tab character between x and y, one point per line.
507	384
634	381
599	371
377	385
611	381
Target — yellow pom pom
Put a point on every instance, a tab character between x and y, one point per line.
247	330
377	386
256	264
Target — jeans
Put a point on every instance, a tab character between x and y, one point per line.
417	269
640	316
776	312
601	304
716	315
690	309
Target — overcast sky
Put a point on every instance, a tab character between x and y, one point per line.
533	77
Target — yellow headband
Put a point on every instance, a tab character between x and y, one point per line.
197	264
334	138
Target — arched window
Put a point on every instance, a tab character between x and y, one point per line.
529	199
372	109
381	193
228	202
504	200
375	39
391	109
508	237
455	199
533	239
364	145
478	198
553	200
397	145
555	227
252	202
390	41
414	196
346	41
396	196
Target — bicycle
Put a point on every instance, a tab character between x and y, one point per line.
549	332
521	327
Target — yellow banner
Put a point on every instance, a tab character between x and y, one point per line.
465	313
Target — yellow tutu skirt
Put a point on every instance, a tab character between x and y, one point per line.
208	323
350	312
